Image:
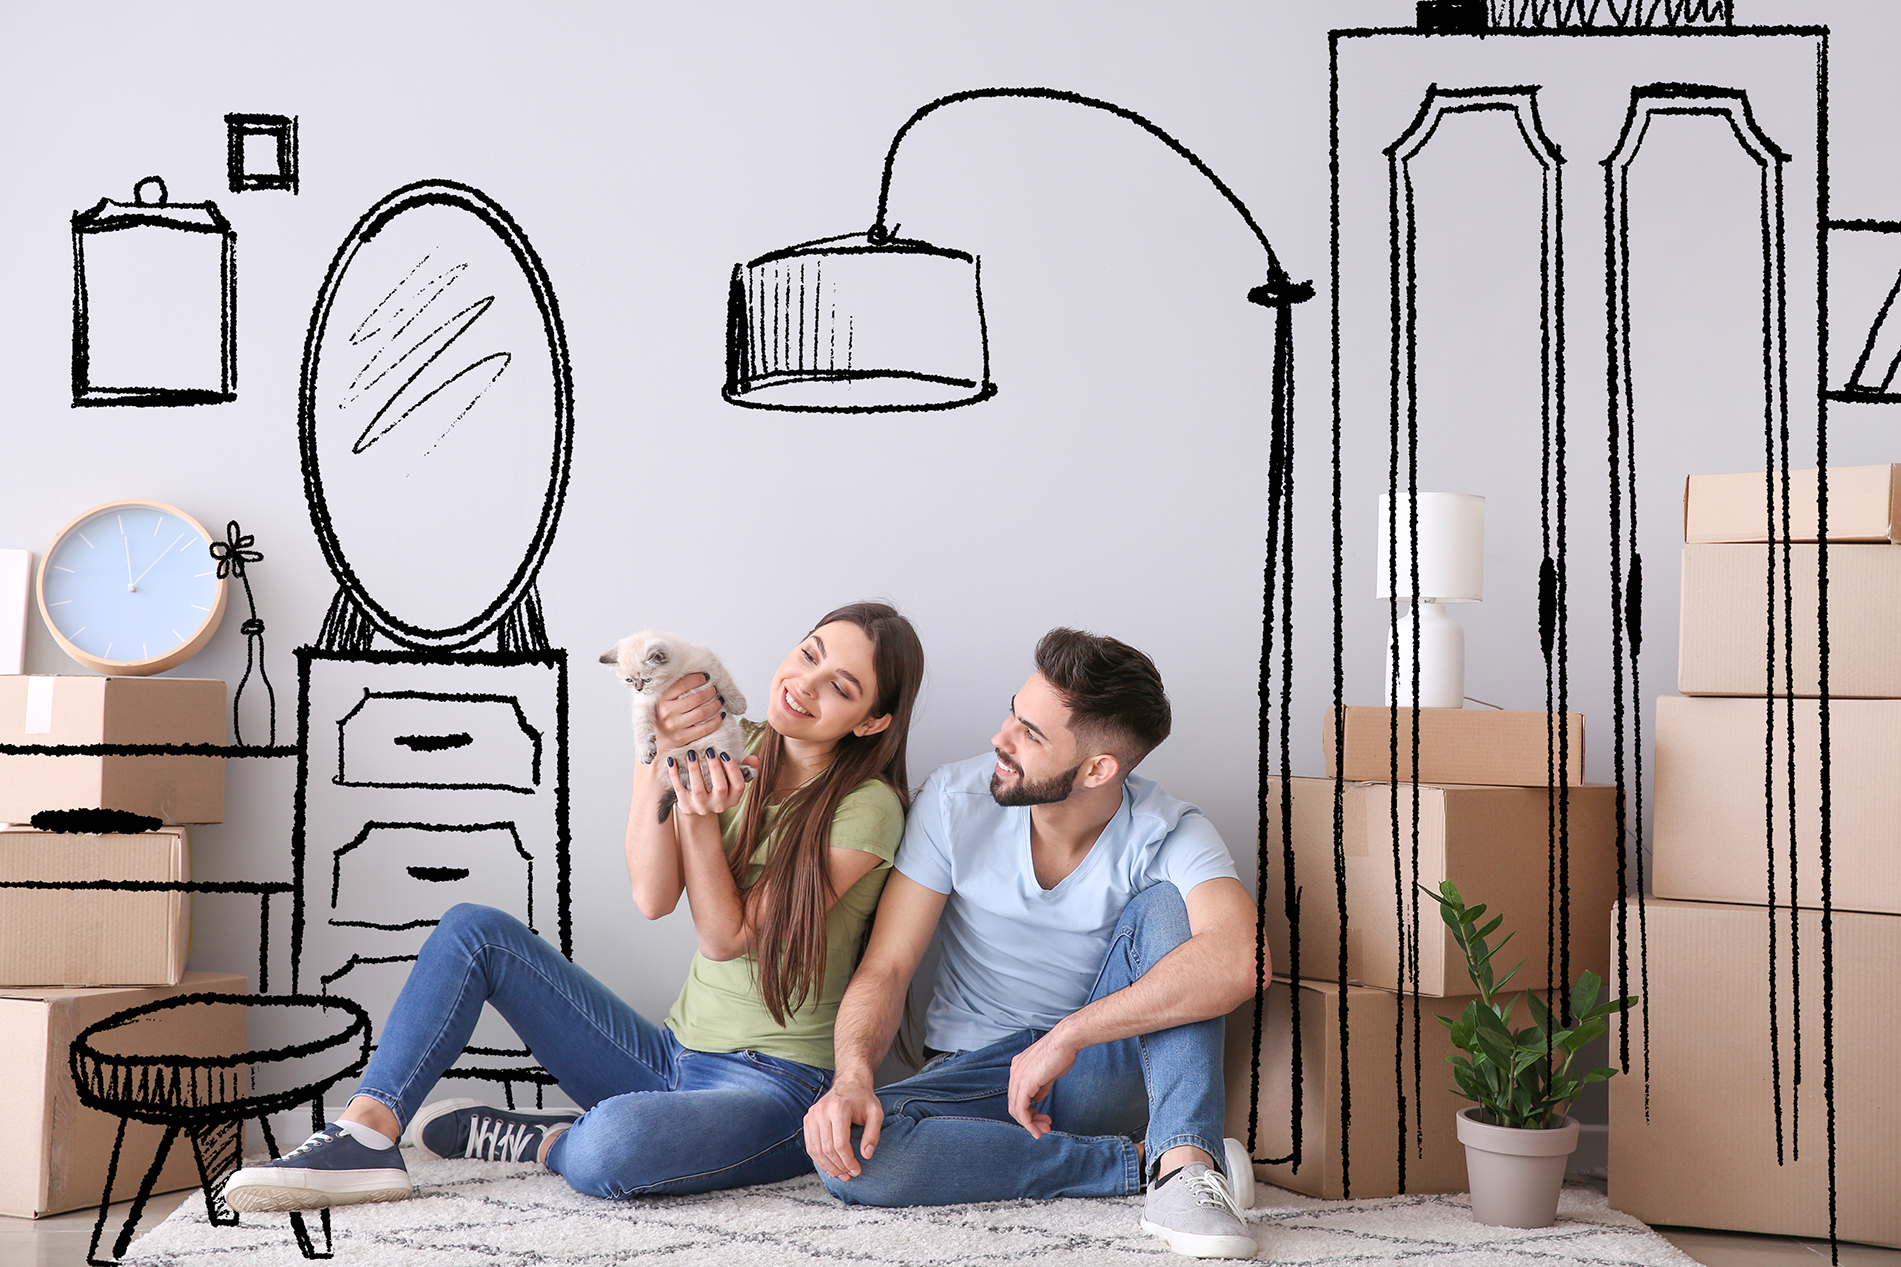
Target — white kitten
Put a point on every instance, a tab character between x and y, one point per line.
649	663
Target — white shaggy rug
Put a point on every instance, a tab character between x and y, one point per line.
479	1214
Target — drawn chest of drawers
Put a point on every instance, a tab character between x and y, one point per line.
426	781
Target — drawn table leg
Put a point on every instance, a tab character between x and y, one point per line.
219	1150
137	1211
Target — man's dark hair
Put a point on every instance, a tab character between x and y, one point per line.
1114	695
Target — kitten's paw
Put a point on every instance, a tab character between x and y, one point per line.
651	753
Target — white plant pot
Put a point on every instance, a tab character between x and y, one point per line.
1516	1174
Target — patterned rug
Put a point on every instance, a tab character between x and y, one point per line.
478	1214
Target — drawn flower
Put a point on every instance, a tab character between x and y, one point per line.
234	552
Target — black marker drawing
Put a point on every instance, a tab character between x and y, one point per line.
155	294
1600	58
404	738
1615	14
234	555
94	822
1540	182
876	323
260	152
1862	252
436	426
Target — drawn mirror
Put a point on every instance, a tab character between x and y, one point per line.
435	416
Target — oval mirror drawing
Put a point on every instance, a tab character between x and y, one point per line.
435	416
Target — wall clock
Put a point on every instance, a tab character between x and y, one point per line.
130	587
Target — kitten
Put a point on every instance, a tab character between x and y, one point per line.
652	661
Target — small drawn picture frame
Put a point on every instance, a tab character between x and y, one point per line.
260	152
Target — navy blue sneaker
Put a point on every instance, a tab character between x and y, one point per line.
329	1168
472	1129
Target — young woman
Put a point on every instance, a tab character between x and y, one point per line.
781	876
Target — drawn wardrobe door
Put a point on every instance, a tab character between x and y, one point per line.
436	424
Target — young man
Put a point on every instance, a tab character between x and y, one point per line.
1094	935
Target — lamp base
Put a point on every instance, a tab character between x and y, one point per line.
1441	658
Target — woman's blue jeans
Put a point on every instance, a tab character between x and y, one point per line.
948	1135
659	1117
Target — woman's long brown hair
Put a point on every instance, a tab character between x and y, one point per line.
789	932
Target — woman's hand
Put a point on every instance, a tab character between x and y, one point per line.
708	781
689	711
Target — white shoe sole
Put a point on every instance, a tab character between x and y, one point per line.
1240	1173
263	1188
1191	1245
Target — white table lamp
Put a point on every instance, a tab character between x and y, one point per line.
1451	570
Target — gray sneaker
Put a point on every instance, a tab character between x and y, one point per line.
1194	1212
471	1128
329	1168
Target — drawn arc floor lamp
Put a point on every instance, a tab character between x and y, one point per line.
876	323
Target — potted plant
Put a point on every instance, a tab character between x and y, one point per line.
1518	1136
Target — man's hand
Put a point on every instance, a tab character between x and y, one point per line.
828	1126
1033	1073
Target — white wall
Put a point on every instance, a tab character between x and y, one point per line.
1116	482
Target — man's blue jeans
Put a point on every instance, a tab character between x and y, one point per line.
948	1135
660	1118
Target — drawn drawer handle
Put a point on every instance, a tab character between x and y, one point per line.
434	743
439	874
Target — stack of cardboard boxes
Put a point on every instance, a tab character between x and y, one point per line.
70	957
1705	1147
1484	823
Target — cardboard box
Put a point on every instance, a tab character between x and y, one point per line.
1490	841
1365	1163
1456	745
1711	841
78	709
1705	1156
1723	639
94	937
57	1149
1864	504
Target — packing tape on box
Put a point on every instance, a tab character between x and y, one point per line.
39	705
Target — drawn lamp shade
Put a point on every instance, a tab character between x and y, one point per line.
874	323
1440	560
857	324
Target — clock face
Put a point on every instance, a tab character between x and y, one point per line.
131	587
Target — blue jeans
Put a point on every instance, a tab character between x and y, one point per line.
659	1117
948	1135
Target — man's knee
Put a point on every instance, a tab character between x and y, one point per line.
1157	917
887	1177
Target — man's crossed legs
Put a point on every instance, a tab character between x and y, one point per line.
948	1136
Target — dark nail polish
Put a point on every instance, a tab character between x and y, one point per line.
724	757
709	754
692	755
722	714
669	763
722	699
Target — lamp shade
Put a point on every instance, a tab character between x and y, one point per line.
851	325
1451	549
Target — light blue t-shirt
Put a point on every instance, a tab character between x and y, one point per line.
1016	955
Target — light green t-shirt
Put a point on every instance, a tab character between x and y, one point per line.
720	1009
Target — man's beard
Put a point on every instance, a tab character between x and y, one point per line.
1048	792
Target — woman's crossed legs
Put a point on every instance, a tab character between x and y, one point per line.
658	1117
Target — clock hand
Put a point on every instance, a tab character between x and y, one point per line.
161	554
130	584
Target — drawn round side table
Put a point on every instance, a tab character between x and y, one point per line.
120	1068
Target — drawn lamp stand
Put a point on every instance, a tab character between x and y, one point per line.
436	424
875	323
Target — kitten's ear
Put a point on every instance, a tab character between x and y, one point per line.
610	656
